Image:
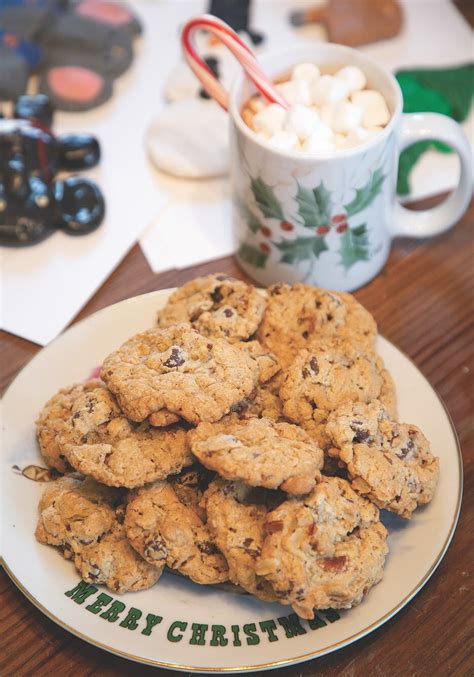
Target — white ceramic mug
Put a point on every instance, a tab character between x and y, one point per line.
329	221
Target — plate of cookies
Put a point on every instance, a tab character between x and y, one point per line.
223	478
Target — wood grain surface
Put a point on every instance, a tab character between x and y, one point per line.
423	302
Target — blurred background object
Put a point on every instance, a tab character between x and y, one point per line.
354	22
33	202
77	48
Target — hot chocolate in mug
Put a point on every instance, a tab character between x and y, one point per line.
330	220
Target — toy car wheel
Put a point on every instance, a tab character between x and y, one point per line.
80	205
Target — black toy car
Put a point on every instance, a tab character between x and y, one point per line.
33	203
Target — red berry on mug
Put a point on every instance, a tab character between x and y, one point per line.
338	218
284	225
265	248
342	228
322	230
266	231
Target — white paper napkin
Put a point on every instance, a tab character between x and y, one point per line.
43	287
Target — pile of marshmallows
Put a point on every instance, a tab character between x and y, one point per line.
327	112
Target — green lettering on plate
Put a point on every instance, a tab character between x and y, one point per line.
250	630
291	625
269	627
151	621
130	620
235	630
172	636
113	612
331	615
101	601
218	636
316	623
81	592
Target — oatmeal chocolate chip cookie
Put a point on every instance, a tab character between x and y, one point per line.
180	370
266	403
321	379
297	316
216	305
75	512
267	362
99	441
162	418
85	521
259	452
52	421
114	563
236	522
388	462
190	485
325	550
164	530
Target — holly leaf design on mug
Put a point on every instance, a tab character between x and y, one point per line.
314	206
266	199
252	221
354	246
252	255
301	249
366	195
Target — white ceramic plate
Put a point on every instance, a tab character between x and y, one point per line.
201	628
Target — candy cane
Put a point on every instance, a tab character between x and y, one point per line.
244	55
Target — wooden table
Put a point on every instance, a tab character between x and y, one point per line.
423	301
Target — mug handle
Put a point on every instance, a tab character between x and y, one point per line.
430	222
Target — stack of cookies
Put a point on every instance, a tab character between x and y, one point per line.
248	437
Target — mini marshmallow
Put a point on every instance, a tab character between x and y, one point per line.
305	71
301	120
346	116
355	137
321	141
318	144
295	91
256	104
353	77
284	140
326	113
375	110
328	89
269	120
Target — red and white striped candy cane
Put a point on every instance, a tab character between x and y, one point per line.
244	55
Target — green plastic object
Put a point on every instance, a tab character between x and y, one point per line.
443	90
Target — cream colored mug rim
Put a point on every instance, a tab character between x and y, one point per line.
338	52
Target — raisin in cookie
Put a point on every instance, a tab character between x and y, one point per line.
325	550
388	462
259	452
216	305
236	520
190	485
99	441
321	379
298	315
85	521
178	369
52	421
164	530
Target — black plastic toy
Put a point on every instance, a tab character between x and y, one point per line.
33	204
